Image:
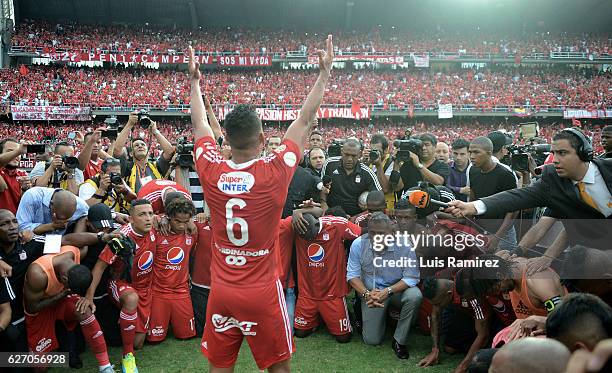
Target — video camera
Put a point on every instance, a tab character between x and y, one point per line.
405	147
334	149
144	119
518	155
184	150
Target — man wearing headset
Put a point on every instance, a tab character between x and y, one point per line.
576	187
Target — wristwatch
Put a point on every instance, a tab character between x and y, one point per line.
100	235
365	294
389	291
420	166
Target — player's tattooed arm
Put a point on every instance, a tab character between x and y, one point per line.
198	112
302	125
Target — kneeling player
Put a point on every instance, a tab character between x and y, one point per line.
171	300
322	276
52	291
131	262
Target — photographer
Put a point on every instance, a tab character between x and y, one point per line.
349	179
381	160
137	170
420	165
13	181
61	172
108	187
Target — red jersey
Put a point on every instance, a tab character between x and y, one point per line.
200	275
142	266
322	261
246	202
502	305
93	168
10	197
155	189
171	265
285	251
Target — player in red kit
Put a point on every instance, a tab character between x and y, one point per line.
155	191
321	259
246	195
130	287
171	300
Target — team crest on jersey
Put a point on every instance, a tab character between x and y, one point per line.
188	240
280	149
325	236
152	236
237	182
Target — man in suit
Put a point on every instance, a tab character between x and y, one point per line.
576	187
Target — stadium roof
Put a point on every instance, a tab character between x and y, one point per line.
501	15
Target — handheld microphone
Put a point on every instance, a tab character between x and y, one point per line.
422	200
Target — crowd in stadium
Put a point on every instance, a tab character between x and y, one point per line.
155	223
34	35
483	90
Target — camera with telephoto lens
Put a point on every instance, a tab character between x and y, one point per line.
335	148
518	155
143	119
115	178
70	162
184	150
405	147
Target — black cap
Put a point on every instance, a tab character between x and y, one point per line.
499	140
100	216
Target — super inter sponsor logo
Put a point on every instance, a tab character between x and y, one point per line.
236	182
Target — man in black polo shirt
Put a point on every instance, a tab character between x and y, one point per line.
420	167
349	178
488	177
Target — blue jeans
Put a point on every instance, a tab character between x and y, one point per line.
508	241
290	301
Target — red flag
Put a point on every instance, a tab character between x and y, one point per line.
576	122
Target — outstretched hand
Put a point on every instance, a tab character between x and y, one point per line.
326	57
194	66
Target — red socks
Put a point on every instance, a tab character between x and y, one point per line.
95	339
127	323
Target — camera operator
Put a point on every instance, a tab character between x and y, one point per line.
185	173
137	170
381	160
61	172
13	181
420	165
349	178
108	187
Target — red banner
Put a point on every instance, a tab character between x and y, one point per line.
264	60
290	115
125	58
50	113
386	60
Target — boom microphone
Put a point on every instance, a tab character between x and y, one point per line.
421	200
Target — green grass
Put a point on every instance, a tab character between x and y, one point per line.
317	353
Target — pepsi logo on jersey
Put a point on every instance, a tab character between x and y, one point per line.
236	182
316	254
175	257
145	263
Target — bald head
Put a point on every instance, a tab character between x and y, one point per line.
533	355
63	205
